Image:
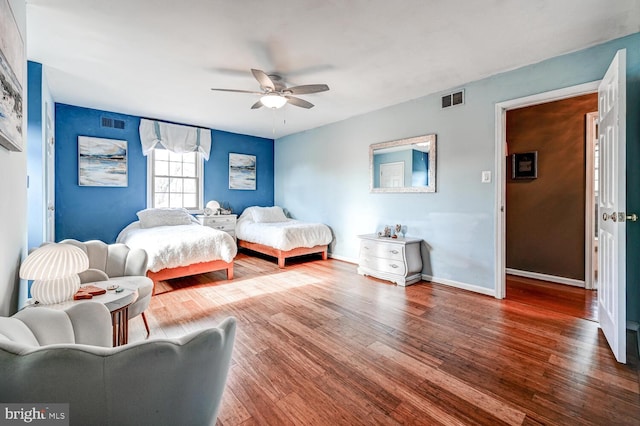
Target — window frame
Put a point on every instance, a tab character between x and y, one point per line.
199	175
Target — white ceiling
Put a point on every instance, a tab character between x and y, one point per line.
159	58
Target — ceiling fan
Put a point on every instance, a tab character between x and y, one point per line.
275	94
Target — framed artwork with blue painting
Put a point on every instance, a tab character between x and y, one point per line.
102	162
242	171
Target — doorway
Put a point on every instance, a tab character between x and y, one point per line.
501	164
612	218
550	211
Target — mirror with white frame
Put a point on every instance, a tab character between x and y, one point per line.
404	165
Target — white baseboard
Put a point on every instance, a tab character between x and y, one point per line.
545	277
461	285
343	258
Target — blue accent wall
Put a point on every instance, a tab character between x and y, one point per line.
86	213
216	170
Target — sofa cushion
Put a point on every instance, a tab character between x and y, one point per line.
15	330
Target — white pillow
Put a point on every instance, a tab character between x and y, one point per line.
268	214
150	218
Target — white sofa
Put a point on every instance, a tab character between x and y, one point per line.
54	356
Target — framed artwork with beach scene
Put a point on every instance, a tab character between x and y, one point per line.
12	66
242	171
102	162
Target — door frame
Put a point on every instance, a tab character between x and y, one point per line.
590	218
501	170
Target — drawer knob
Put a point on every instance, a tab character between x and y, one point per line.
395	251
393	265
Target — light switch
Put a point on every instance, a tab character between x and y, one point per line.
486	176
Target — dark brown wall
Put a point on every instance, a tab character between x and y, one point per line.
545	216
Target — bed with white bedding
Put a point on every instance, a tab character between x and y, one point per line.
177	245
267	230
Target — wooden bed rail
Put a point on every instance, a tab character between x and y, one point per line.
196	268
283	254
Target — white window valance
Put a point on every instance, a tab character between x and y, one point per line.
174	137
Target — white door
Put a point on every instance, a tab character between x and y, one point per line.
612	205
392	175
49	178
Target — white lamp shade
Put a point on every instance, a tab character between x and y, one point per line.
273	100
55	291
53	261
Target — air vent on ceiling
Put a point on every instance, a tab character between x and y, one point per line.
112	122
453	99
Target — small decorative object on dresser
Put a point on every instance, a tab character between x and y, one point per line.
394	259
221	222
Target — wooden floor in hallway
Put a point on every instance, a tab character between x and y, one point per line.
574	301
318	344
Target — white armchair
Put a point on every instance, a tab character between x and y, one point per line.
122	265
58	356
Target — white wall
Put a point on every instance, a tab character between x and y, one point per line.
322	174
13	201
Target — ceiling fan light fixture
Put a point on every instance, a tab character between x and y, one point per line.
273	100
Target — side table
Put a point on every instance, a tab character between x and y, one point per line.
117	303
221	222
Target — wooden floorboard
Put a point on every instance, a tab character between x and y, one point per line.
318	344
574	301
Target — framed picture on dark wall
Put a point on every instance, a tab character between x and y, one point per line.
524	165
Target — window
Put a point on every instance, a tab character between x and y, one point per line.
175	180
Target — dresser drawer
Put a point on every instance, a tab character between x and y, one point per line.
215	221
382	250
392	266
227	227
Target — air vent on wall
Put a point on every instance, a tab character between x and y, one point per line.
452	99
111	122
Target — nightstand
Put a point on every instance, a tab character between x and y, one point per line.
221	222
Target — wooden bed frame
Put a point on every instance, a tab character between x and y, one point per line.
283	254
196	268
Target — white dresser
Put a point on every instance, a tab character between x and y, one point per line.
222	222
394	259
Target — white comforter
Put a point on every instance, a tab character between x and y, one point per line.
283	235
180	245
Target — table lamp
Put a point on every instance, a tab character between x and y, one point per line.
54	268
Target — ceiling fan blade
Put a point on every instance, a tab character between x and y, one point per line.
307	88
257	105
264	80
238	91
299	102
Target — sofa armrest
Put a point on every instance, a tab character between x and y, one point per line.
83	323
92	275
136	263
91	323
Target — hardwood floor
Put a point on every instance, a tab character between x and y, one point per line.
574	301
318	344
